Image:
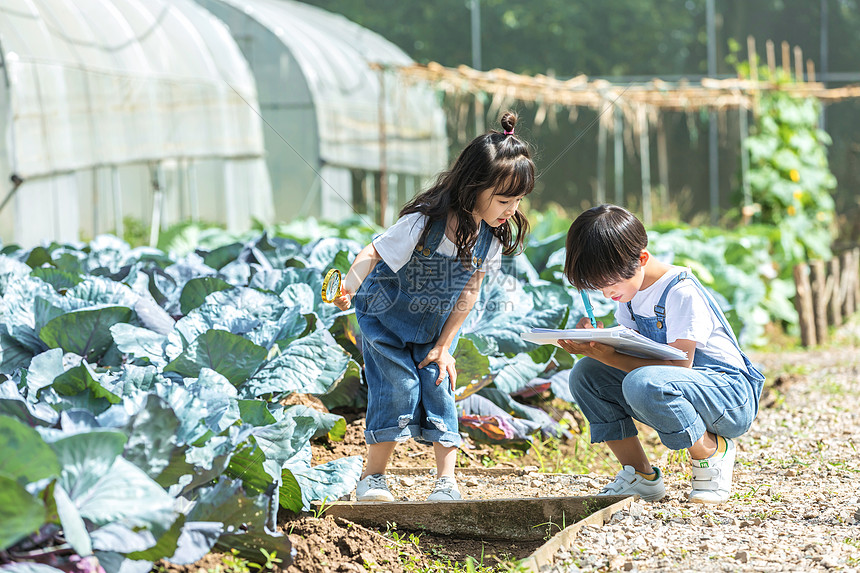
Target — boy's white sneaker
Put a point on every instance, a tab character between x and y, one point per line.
628	482
445	490
373	488
712	477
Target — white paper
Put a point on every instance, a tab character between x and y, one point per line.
623	339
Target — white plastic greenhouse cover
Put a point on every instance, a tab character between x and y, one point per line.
335	54
107	82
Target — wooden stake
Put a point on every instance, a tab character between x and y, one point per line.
798	64
771	59
803	303
810	70
819	299
786	58
752	58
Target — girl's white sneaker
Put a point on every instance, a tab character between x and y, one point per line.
373	488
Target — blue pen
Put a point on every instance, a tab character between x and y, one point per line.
587	302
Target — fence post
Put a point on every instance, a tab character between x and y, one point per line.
833	283
803	303
819	300
848	286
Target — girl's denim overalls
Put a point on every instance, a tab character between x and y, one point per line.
401	315
680	403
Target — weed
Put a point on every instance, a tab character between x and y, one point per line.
233	563
272	559
320	509
752	490
550	524
437	560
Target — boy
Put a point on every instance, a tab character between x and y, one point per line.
700	403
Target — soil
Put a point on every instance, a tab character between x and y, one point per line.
795	508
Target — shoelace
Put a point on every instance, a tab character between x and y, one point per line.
444	485
377	481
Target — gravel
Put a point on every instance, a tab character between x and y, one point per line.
796	496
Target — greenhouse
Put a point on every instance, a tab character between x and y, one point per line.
341	135
118	112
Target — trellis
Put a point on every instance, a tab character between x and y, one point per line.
638	104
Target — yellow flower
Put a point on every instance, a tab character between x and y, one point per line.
791	210
798	194
794	175
821	216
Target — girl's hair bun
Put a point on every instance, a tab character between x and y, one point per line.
508	121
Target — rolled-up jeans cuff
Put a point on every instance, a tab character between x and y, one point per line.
685	438
393	434
618	430
447	439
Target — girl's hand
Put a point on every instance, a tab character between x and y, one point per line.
344	301
596	350
446	363
585	322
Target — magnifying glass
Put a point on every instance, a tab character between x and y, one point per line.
331	286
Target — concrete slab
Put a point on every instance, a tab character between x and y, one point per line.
531	519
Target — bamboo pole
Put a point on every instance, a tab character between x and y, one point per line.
600	197
743	120
645	164
663	165
618	156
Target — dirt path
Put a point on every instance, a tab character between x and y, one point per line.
797	486
796	503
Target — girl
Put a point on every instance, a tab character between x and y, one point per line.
415	284
700	403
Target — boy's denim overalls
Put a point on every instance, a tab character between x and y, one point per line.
401	315
680	403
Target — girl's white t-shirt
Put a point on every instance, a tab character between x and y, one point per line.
688	316
396	244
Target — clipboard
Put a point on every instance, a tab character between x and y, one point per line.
623	339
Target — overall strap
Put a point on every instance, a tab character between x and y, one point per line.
718	311
433	238
482	245
660	307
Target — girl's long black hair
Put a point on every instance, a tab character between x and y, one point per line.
496	160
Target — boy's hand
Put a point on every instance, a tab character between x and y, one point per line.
584	322
344	301
445	362
596	350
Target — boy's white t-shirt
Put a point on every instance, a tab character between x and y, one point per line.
688	316
396	244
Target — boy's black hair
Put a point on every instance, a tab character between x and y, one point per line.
603	247
497	159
